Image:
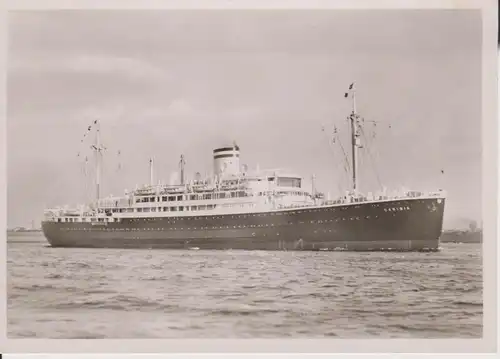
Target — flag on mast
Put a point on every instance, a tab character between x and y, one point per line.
350	88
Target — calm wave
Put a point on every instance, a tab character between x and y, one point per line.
101	293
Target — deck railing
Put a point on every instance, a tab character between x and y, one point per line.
54	214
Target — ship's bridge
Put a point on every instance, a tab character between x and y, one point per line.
275	181
289	181
284	179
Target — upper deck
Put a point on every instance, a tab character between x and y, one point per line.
194	208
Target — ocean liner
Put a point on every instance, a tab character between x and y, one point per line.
234	208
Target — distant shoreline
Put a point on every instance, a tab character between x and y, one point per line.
25	236
10	231
462	236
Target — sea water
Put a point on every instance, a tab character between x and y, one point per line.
110	293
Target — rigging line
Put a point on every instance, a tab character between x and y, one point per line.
374	168
347	164
336	138
345	161
330	146
83	140
119	161
340	162
346	167
367	150
87	181
377	149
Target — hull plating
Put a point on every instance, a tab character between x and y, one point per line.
401	225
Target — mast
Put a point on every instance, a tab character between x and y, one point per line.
355	134
181	164
313	185
98	148
86	184
151	173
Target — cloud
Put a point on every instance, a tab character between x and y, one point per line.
180	107
132	68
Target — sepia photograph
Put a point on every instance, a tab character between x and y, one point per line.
245	174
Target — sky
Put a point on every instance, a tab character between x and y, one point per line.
168	82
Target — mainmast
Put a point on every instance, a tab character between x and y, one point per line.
98	148
355	135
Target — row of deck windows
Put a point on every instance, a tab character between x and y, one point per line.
202	207
79	219
208	196
192	197
176	208
395	209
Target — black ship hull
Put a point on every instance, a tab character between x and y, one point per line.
413	224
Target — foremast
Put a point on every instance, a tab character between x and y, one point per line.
355	122
98	148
